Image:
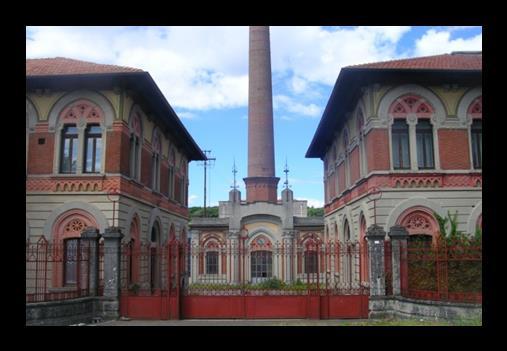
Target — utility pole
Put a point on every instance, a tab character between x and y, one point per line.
208	162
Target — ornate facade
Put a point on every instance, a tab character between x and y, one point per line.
103	149
407	145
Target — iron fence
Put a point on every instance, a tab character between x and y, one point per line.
148	269
56	270
234	268
442	271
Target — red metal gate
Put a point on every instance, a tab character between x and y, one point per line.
228	280
324	281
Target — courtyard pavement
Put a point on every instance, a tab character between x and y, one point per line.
227	322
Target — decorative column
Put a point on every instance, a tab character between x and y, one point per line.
287	247
399	238
375	236
193	251
112	266
233	257
91	237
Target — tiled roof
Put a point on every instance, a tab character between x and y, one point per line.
64	66
453	61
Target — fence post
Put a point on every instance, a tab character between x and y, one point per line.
399	237
375	236
91	237
112	260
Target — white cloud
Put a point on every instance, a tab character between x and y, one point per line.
317	55
439	42
287	103
314	203
201	68
298	85
192	200
186	115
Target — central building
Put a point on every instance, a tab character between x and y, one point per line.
254	239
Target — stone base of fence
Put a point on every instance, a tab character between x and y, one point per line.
402	307
74	311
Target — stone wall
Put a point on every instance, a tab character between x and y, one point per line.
403	307
64	312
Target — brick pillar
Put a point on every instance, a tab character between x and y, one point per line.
112	260
233	257
375	236
399	238
91	237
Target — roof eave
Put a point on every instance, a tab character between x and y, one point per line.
315	150
192	149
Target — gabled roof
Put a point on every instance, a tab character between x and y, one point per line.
457	67
63	66
455	61
67	74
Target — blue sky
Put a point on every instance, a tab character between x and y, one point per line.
203	72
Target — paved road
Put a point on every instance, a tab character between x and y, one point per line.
227	322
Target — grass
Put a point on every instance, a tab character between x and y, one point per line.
414	322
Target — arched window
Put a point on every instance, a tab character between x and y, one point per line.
71	248
424	136
135	127
69	149
476	133
155	170
347	255
155	256
172	163
363	245
93	149
362	148
212	262
400	144
81	142
261	264
346	164
261	259
311	255
346	231
420	224
411	112
134	251
66	232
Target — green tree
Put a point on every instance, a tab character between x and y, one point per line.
315	211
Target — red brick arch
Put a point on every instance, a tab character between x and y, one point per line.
68	225
419	220
411	104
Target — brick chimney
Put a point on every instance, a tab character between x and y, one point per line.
261	183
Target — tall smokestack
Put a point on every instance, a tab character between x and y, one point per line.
261	183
